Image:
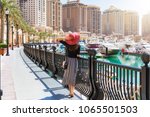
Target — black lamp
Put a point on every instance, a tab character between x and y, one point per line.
7	34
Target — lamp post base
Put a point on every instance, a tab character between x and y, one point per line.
1	93
7	54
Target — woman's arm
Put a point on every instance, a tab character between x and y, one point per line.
64	43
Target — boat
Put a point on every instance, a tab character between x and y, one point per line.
109	49
143	48
100	55
83	48
93	43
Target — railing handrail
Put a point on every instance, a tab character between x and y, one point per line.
38	43
118	65
114	64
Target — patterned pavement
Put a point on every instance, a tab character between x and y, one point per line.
21	79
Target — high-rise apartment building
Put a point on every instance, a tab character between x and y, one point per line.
146	25
34	11
42	13
54	14
131	23
40	6
74	16
113	21
94	19
119	22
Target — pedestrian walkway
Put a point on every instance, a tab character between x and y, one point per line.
21	79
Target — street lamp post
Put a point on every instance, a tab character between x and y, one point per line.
22	37
1	92
12	37
7	13
17	35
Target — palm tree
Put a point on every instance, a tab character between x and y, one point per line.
11	5
49	36
15	16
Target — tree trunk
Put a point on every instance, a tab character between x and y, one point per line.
28	38
2	28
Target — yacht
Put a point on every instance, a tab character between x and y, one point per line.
109	49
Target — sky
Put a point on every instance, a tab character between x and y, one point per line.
141	6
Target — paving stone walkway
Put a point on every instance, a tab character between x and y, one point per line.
21	79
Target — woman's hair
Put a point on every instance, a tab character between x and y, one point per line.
73	47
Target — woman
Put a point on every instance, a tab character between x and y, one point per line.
72	51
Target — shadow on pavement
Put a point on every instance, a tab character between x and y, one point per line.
55	88
55	97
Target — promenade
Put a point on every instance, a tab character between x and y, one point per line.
21	79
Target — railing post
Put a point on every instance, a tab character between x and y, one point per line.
1	93
25	48
53	62
92	54
145	77
97	93
35	57
39	60
45	57
31	51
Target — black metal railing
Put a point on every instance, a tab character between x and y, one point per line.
97	79
117	81
49	60
83	83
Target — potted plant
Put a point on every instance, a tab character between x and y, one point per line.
2	48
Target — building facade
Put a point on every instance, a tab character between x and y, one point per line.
113	21
131	23
28	9
146	25
74	16
42	13
94	20
119	22
54	14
